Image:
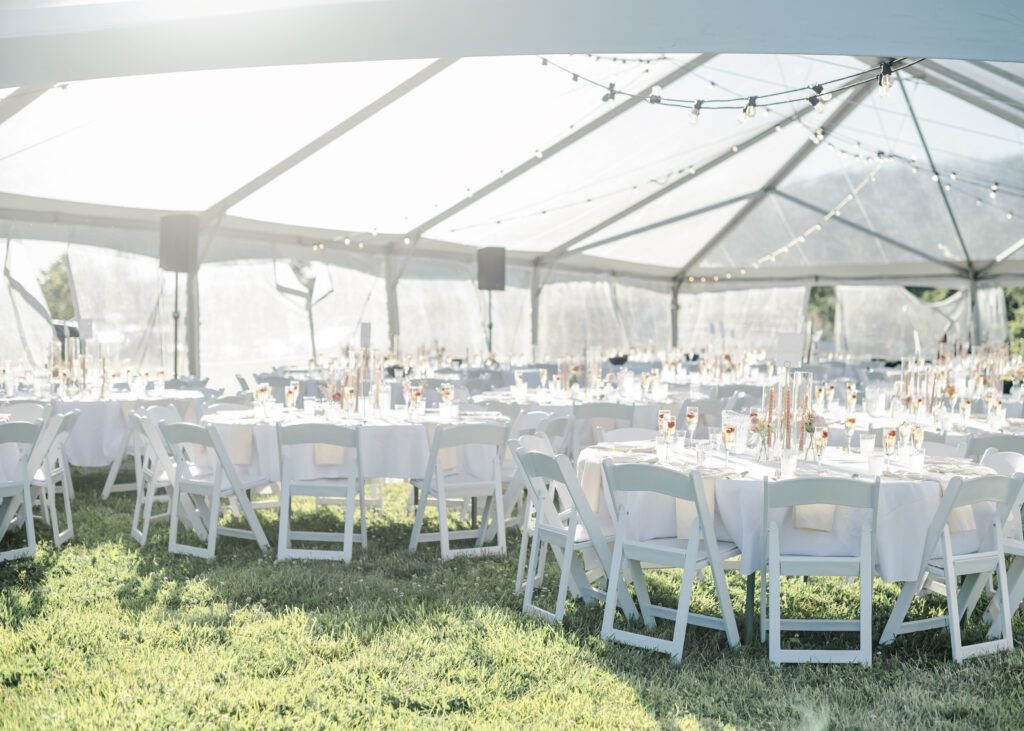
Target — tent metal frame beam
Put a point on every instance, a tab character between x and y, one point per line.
667	221
985	89
847	107
552	257
558	146
870	232
934	170
1000	72
942	83
396	93
21	98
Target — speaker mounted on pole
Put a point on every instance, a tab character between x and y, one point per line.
179	242
490	269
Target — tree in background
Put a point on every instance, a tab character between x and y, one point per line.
56	285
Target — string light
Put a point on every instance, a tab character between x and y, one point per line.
695	112
885	79
748	105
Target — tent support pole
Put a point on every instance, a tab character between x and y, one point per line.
675	314
192	322
975	319
391	277
535	287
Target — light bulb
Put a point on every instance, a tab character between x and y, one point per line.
655	95
408	241
695	112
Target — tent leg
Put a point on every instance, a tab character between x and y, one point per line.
192	322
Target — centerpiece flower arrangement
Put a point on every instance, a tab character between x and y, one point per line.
761	429
332	391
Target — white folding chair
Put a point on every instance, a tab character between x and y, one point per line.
27	410
209	484
594	415
438	487
626	434
345	439
940	574
51	475
701	549
780	499
563	521
504	408
129	445
15	493
527	423
979	444
1008	464
559	432
218	407
155	464
527	526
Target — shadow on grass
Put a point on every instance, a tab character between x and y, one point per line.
443	639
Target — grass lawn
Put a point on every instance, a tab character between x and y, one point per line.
105	634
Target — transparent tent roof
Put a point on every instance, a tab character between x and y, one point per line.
522	152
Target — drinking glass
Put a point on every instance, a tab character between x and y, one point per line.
543	375
867	443
965	410
849	425
728	438
917	437
889	443
820	441
692	413
291	395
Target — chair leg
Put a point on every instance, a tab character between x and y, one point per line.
115	466
643	596
362	516
499	521
284	523
214	518
253	521
350	519
442	517
176	498
30	528
899	613
524	540
417	524
953	608
138	532
774	603
563	580
614	582
764	604
531	572
682	615
866	595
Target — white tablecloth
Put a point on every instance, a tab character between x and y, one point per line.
103	423
390	445
906	509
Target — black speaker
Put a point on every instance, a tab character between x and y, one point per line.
179	243
490	268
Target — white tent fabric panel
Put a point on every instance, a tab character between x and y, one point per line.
246	324
578	317
738	320
26	336
881	321
441	314
179	140
357	297
439	144
129	301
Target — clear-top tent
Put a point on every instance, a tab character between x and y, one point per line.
386	175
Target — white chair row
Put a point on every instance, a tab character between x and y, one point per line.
562	519
38	476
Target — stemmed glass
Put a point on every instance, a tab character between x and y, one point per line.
261	396
820	441
728	439
692	413
889	444
830	395
819	398
663	415
851	401
543	375
965	410
350	398
917	438
988	397
849	425
291	395
447	393
905	432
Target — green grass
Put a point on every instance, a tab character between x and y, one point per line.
105	634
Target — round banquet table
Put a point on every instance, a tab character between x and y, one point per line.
391	444
907	504
99	436
645	413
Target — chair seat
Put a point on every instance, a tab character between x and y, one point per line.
581	536
726	549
